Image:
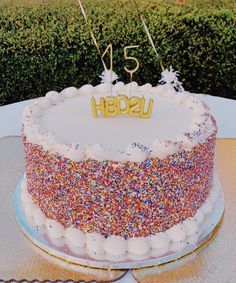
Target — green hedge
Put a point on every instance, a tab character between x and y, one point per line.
46	45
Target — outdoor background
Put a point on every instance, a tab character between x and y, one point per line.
46	45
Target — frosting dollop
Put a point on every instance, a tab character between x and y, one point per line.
192	240
176	233
138	246
115	245
39	217
177	246
199	216
190	226
86	89
95	152
95	242
29	208
52	96
54	228
75	237
162	149
75	152
69	92
207	207
136	152
160	241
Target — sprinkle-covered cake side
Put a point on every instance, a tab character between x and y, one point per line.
129	199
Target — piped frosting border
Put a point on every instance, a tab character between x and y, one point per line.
171	240
203	125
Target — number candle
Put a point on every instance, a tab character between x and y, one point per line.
131	58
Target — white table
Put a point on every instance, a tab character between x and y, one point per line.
224	111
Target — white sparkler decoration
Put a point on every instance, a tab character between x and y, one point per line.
170	77
108	76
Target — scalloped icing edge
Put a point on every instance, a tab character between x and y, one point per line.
203	125
174	239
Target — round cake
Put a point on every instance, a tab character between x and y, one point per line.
119	183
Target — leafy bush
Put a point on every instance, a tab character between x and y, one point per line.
46	45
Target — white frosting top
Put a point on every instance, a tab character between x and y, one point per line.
63	123
78	124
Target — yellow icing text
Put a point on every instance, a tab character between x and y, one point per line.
121	104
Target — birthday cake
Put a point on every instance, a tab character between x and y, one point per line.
119	184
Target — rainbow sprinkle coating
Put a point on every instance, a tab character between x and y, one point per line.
128	199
